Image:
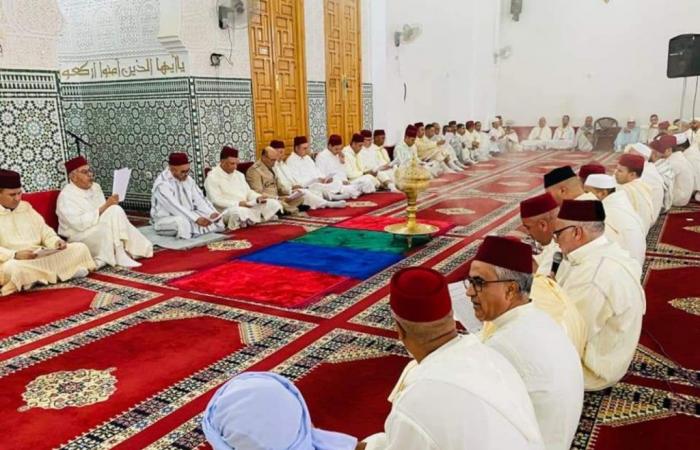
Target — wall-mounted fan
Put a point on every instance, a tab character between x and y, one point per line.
407	34
237	13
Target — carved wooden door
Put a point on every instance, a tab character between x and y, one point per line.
343	65
278	71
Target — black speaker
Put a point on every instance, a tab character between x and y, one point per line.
684	56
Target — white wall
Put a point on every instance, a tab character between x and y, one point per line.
315	40
448	71
28	34
590	57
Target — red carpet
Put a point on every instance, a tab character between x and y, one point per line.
128	359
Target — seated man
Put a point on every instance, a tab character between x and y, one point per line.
303	168
538	215
331	163
496	136
603	281
373	160
457	393
428	150
539	136
443	140
499	283
650	176
511	142
351	161
178	206
627	136
229	192
289	185
620	216
628	176
648	133
84	215
263	410
564	136
406	150
670	161
26	243
262	179
463	143
584	135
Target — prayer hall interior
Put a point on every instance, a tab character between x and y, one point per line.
349	224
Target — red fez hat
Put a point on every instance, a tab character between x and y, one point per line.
664	125
366	134
357	137
505	252
582	211
335	140
558	175
632	162
418	124
277	145
470	123
661	143
591	168
535	206
411	131
9	179
75	163
228	152
379	133
178	159
419	294
299	140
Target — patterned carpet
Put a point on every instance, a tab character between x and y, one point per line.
129	359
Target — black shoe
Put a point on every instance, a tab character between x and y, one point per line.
304	208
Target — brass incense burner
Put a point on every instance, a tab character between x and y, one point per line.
412	179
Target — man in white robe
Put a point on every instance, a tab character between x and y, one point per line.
511	141
496	137
289	185
628	175
630	134
584	135
500	280
431	151
304	170
649	132
443	140
331	164
620	215
406	150
564	136
481	142
663	167
683	184
351	161
603	281
30	251
178	206
539	136
231	195
466	140
692	154
457	393
374	161
85	215
651	177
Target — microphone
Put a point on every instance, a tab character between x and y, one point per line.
556	260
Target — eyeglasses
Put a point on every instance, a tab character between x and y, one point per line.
85	172
556	233
479	283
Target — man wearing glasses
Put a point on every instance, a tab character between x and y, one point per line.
499	283
603	281
84	215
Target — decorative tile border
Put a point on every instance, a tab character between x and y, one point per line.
31	127
367	106
318	125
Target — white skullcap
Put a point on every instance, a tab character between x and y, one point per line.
600	181
631	119
642	149
510	123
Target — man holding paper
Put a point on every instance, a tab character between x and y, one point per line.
178	207
374	160
84	215
30	251
229	192
262	179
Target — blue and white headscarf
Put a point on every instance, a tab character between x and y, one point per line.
265	411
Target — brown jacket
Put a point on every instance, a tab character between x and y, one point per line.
263	181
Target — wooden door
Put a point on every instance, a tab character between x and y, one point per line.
343	67
278	71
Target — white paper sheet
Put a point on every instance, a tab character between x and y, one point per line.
295	195
462	308
121	182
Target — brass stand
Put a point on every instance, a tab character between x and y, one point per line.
412	180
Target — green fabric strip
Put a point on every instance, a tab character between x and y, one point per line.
357	239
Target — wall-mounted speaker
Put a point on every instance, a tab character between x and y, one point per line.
684	56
